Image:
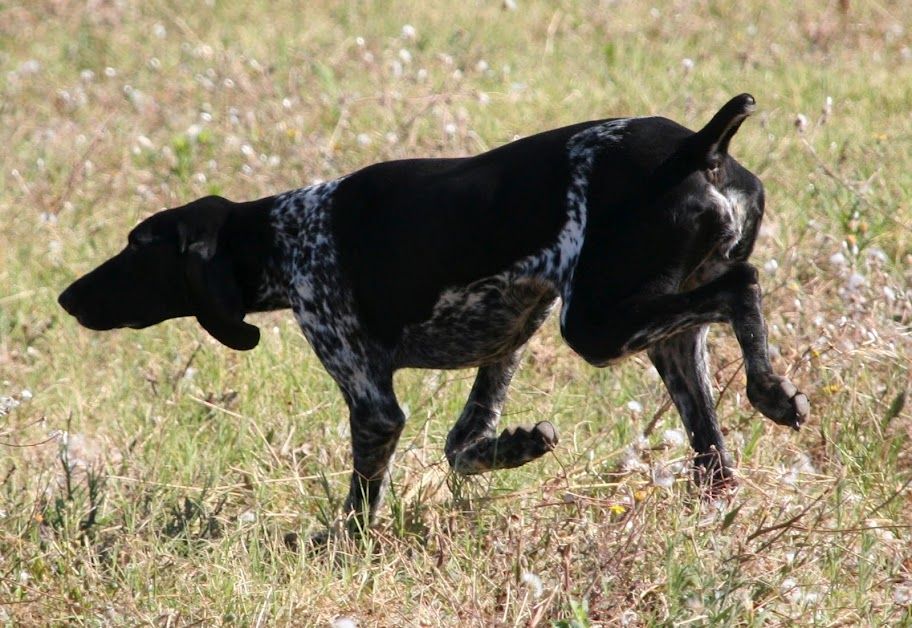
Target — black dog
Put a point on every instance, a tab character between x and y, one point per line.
640	226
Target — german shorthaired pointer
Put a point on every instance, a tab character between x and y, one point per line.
640	226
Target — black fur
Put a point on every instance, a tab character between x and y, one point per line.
640	226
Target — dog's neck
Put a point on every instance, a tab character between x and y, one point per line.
250	239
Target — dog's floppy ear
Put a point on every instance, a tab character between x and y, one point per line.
214	291
710	144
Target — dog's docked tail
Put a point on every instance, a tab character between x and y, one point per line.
710	144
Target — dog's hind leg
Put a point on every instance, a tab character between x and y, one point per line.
773	395
682	362
473	445
601	335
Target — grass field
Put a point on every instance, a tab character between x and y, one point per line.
149	477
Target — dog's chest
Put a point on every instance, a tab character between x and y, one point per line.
731	234
480	323
732	209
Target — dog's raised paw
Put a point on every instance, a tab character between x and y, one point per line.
779	399
519	444
548	433
515	446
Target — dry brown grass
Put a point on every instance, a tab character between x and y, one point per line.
148	478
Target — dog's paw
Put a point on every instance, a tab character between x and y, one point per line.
521	444
779	399
546	433
318	542
719	489
713	474
514	447
314	544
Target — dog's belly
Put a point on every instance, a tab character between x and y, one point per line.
478	324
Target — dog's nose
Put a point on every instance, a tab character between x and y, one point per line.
67	300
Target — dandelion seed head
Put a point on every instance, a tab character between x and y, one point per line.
662	477
855	281
630	460
248	516
876	254
7	404
902	594
31	66
837	259
674	437
534	582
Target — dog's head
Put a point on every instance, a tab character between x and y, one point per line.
175	264
699	176
704	151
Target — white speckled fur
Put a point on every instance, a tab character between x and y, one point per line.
732	207
452	336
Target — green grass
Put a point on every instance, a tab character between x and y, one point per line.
185	464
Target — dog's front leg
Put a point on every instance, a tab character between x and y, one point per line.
682	362
376	422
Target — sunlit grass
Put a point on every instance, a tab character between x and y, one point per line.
151	477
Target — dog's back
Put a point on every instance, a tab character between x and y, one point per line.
437	223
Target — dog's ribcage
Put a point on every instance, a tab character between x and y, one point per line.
487	320
479	323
